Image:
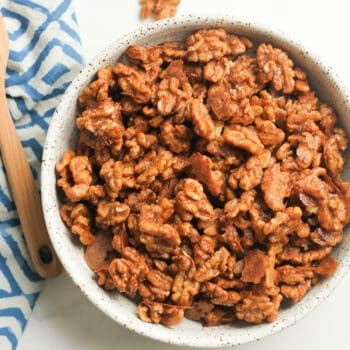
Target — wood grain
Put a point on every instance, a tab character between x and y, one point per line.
21	181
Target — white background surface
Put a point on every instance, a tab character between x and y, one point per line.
63	318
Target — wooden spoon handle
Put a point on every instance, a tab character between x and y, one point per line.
26	196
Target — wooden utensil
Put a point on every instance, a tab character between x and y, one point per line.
21	181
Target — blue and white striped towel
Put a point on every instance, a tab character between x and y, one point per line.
45	54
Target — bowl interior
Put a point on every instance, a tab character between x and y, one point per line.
61	137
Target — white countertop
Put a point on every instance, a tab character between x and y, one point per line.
63	318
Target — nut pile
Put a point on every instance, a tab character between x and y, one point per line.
206	180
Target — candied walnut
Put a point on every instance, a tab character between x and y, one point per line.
327	267
129	271
176	69
185	229
98	90
103	121
218	317
328	119
133	83
98	254
184	287
168	315
172	50
230	283
211	268
200	91
268	133
324	238
135	200
309	183
250	174
307	151
301	83
231	239
297	292
199	310
242	205
332	213
160	9
220	296
194	73
104	279
135	126
173	97
242	75
117	175
291	275
225	156
212	228
255	264
76	177
255	308
79	170
155	233
270	107
215	71
191	201
176	137
124	275
208	44
302	114
220	102
158	162
243	137
77	218
295	256
275	67
111	213
129	106
203	123
231	105
138	145
333	147
156	286
285	223
270	272
276	187
202	167
144	56
204	248
248	238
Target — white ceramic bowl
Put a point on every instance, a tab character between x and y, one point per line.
60	137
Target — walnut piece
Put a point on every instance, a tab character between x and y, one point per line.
159	9
243	137
275	66
191	201
168	315
255	264
276	187
203	169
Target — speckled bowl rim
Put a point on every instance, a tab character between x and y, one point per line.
51	209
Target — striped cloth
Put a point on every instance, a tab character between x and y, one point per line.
45	54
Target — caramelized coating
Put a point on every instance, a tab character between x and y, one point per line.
206	179
168	315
